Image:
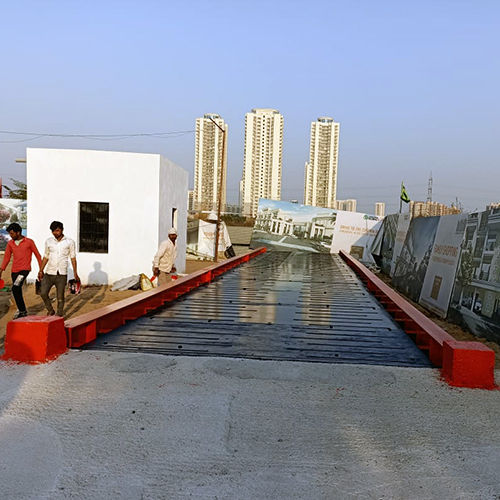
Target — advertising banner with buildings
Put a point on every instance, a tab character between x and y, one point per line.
389	241
411	266
476	297
440	275
11	210
201	238
382	248
282	225
354	233
402	229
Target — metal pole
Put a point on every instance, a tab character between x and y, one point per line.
219	194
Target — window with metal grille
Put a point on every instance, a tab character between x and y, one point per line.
94	227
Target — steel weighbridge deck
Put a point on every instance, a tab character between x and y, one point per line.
279	306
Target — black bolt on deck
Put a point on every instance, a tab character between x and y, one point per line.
279	306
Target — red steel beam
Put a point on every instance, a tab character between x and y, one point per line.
463	364
85	328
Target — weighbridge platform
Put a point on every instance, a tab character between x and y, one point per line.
292	306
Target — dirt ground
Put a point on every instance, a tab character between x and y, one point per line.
456	331
90	298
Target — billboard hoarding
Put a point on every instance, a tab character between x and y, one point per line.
281	225
411	266
440	275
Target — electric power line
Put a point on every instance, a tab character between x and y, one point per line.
23	140
98	137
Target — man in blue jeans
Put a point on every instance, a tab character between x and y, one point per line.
58	249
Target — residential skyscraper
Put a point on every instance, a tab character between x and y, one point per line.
263	158
207	166
346	205
320	186
190	200
380	208
431	208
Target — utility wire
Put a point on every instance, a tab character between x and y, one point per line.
23	140
98	137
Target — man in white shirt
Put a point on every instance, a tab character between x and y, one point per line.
164	260
58	249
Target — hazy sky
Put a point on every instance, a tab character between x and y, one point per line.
414	85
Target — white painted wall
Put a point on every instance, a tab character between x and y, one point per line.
173	188
58	179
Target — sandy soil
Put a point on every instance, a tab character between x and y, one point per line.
456	331
90	298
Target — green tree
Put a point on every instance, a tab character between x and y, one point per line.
466	269
19	191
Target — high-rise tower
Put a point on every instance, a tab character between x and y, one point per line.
208	162
380	208
320	186
263	158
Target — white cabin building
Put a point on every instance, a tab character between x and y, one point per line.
116	206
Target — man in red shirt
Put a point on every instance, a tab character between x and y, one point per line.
22	249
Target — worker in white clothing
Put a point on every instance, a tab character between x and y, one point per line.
58	249
164	260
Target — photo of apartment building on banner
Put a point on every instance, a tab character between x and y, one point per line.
476	296
389	241
412	263
289	226
283	225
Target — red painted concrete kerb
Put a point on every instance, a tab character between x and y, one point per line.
39	339
463	364
35	339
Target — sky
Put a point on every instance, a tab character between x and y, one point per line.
414	85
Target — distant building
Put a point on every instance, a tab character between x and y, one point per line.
232	209
320	184
208	161
240	193
491	206
431	208
263	158
380	209
347	205
190	200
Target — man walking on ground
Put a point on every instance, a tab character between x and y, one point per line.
22	249
58	249
164	260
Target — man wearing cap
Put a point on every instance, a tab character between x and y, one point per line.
164	260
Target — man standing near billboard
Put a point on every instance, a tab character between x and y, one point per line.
22	250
